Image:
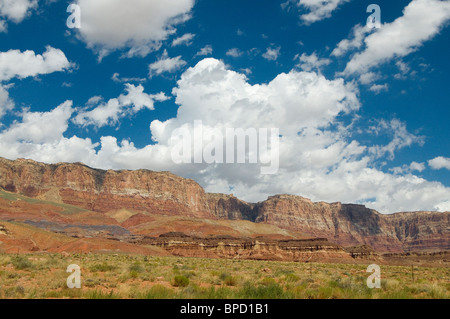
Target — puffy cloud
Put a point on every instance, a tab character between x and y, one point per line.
234	52
272	54
166	64
369	77
414	166
117	78
359	33
15	63
421	21
37	127
185	39
385	192
401	138
206	50
6	103
109	113
311	62
316	160
295	95
247	71
318	157
439	163
15	10
377	88
40	136
317	10
137	25
403	68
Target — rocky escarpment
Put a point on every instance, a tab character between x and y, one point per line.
348	225
179	244
351	225
102	191
230	207
167	194
419	231
362	252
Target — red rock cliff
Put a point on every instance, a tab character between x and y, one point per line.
349	224
99	190
165	193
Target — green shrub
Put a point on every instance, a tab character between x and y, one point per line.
157	292
21	262
12	275
272	291
180	281
136	268
98	294
291	278
91	282
216	293
102	267
223	275
230	281
268	281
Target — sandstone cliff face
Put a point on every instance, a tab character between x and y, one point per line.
102	191
229	207
168	194
421	230
348	225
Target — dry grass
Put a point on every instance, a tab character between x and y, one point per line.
136	276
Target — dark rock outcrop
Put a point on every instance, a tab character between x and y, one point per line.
313	249
229	207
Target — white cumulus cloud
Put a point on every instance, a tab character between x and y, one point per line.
166	64
206	50
37	127
6	104
439	163
311	62
359	33
401	138
414	166
272	53
110	112
15	10
40	136
138	26
421	21
318	158
377	88
317	10
185	39
234	52
15	63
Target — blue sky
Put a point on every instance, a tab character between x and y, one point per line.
377	130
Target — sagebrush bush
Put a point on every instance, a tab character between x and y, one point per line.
136	268
104	267
230	281
21	262
180	281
